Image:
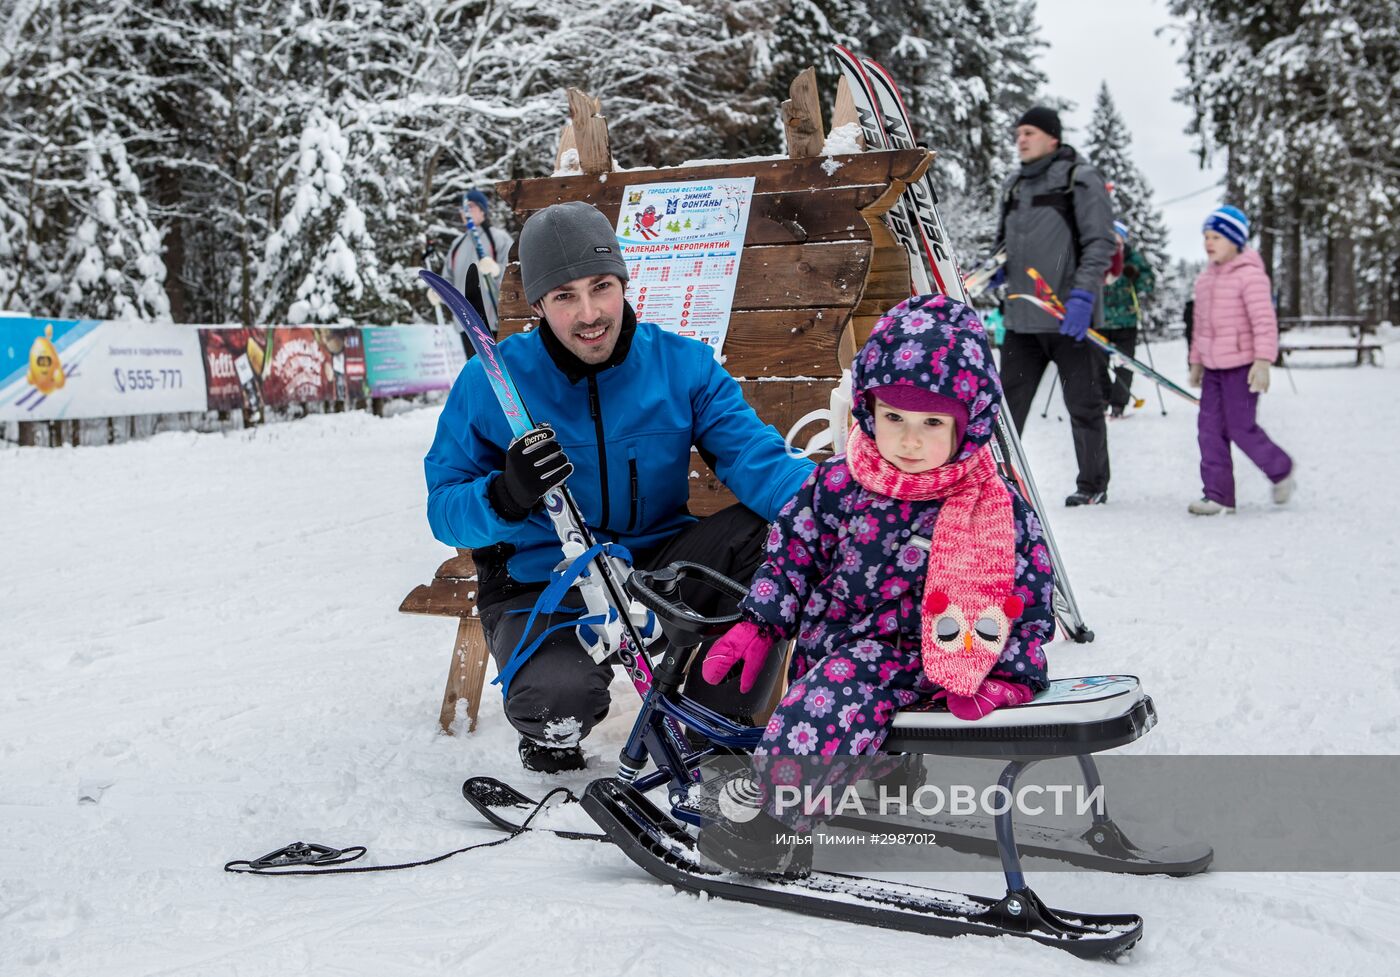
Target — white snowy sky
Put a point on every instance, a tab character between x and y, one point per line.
1118	43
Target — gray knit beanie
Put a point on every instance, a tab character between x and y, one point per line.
564	242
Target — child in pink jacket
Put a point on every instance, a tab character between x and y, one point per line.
1234	339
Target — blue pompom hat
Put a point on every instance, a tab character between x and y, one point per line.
475	196
1230	223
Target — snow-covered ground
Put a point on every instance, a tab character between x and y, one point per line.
201	632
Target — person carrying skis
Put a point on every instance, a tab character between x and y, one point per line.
1057	218
482	245
1234	338
626	401
1122	316
907	568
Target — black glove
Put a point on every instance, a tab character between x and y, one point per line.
1130	272
534	464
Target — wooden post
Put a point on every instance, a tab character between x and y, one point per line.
566	143
802	116
466	675
844	112
591	133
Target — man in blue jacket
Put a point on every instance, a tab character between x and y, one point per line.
624	402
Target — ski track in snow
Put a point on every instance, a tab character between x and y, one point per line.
208	624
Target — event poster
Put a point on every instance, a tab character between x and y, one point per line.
406	360
54	369
682	243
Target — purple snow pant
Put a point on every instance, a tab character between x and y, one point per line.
1228	416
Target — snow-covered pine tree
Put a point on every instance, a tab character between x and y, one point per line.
678	79
803	37
375	100
967	70
1108	144
1301	99
76	233
999	45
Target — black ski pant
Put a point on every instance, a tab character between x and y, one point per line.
560	694
1119	381
1024	357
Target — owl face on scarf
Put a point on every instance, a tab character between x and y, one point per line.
976	644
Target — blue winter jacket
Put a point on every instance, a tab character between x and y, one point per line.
628	431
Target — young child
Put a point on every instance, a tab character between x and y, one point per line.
1234	338
907	569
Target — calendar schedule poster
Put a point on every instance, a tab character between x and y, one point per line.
682	242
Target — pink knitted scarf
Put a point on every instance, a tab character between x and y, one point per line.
968	604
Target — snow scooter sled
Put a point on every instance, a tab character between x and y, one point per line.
1073	718
626	607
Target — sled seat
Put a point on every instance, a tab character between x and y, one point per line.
1073	717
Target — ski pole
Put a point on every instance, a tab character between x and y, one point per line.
1148	347
429	251
1053	380
1142	326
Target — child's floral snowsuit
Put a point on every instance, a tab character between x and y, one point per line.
843	575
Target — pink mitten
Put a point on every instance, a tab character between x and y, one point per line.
992	694
744	642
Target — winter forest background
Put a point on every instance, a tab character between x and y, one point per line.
252	162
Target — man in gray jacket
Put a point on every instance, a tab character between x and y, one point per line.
1056	217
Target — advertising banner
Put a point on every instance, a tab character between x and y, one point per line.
59	369
54	369
405	360
247	368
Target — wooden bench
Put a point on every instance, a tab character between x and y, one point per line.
1366	349
452	593
819	268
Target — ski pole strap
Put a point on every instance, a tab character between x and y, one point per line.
549	602
521	655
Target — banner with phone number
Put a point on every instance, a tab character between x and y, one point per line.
51	369
56	369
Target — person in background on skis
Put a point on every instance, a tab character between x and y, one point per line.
1234	338
907	568
626	401
490	264
1057	218
1122	316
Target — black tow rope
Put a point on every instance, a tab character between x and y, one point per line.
317	857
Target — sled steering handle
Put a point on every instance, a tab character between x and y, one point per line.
659	591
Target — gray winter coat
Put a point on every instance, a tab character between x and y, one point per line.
1038	235
462	255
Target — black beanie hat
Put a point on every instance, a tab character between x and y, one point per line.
1047	120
